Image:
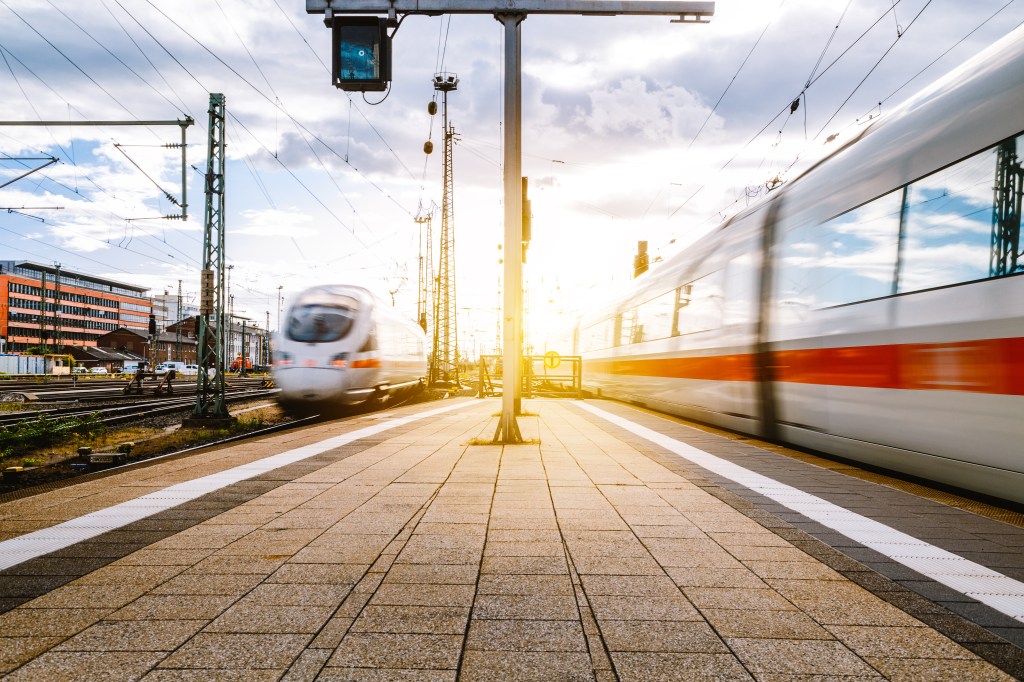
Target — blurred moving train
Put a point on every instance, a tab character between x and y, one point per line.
342	346
873	308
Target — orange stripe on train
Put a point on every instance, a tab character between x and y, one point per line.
984	366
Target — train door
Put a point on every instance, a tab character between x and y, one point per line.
739	329
792	393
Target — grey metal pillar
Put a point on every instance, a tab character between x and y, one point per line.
508	428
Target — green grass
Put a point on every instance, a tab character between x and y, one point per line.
27	436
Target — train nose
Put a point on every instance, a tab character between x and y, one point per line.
312	383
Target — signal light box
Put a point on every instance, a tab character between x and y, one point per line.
362	53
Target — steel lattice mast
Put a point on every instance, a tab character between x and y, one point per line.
1006	256
444	366
212	322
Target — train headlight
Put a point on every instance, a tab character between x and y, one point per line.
283	359
340	360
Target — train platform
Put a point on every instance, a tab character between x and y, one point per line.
615	544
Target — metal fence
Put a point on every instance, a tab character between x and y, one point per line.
543	375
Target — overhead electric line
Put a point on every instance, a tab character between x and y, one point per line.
69	59
947	51
828	43
733	79
786	107
238	122
872	69
297	123
106	49
146	57
74	190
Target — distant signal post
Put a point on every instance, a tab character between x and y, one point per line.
511	14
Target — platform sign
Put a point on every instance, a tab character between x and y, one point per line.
362	54
552	359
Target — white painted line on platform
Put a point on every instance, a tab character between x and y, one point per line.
1002	593
37	543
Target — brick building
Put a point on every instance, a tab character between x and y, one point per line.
46	305
168	345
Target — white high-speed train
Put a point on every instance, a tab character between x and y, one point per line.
873	308
342	346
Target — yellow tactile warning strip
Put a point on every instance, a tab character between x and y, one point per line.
418	556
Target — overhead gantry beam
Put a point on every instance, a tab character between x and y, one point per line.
695	11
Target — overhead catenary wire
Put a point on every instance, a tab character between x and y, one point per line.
145	56
828	43
872	69
735	75
930	64
53	246
295	121
76	192
106	49
948	50
69	59
786	107
124	65
70	156
237	121
3	53
908	81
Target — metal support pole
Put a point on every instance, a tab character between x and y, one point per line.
508	428
184	175
210	408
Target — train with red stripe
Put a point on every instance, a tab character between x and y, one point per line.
342	346
872	308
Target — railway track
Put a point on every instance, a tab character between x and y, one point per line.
64	472
13	391
139	407
74	470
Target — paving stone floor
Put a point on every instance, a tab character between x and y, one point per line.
419	555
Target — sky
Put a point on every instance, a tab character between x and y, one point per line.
634	128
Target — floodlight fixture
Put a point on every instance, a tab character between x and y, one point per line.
446	82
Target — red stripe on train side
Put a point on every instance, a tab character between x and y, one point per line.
715	368
984	366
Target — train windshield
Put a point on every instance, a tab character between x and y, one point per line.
321	318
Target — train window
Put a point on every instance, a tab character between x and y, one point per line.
319	323
741	289
851	257
655	316
948	228
682	299
703	311
630	329
857	251
598	336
